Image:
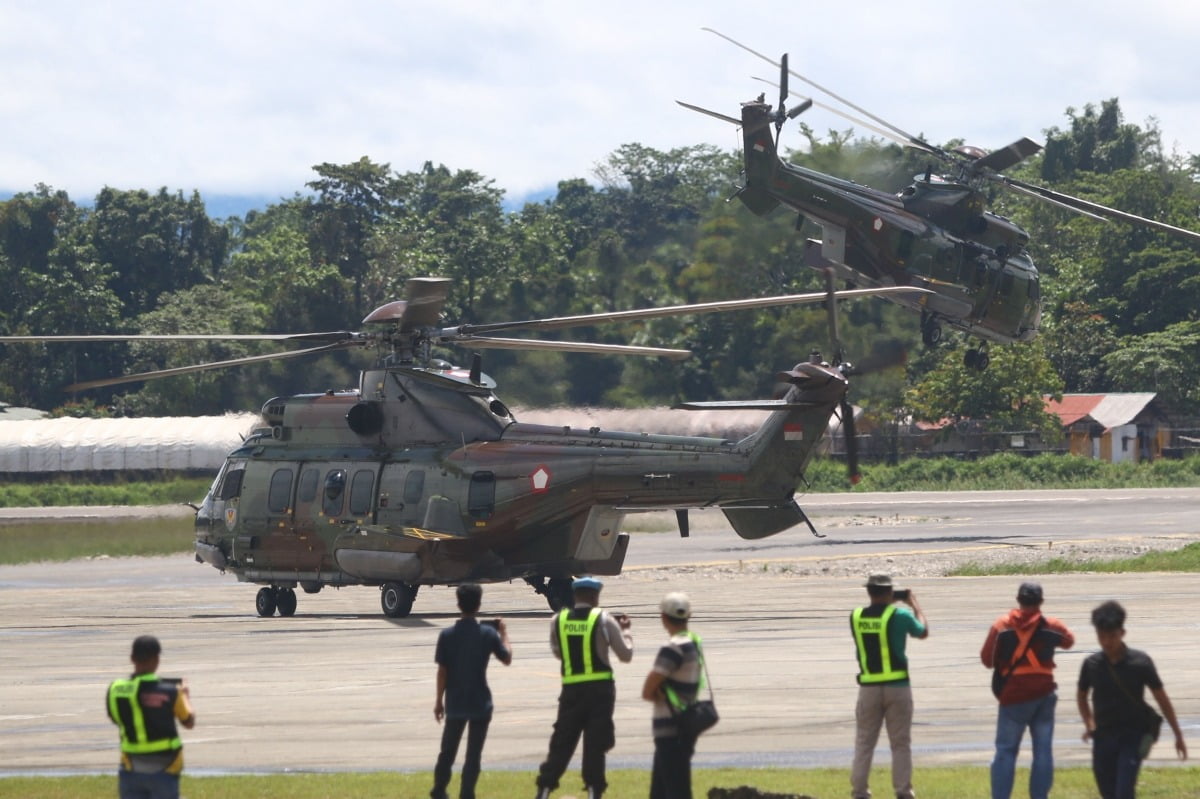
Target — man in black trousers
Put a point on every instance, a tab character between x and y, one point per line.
463	695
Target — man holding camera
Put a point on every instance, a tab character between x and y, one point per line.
1019	648
463	653
880	632
145	708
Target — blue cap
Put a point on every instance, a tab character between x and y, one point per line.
586	582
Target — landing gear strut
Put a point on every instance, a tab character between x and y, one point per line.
557	591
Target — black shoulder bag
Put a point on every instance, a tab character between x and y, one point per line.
1151	722
1000	676
701	714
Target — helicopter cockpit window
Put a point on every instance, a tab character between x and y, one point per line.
335	492
308	485
360	492
414	486
481	498
280	494
231	485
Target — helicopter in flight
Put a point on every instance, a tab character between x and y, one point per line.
936	234
422	476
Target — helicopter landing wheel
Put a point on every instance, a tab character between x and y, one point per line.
285	601
265	601
558	593
977	359
396	599
931	333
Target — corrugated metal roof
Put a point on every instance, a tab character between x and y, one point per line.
1073	407
1118	409
1107	410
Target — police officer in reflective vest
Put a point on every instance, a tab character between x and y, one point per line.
581	637
880	632
145	709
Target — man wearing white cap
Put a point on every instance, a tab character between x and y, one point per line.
672	685
581	637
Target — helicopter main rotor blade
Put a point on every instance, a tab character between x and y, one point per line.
333	336
917	142
561	322
1089	208
713	114
203	367
887	134
426	297
1015	153
568	346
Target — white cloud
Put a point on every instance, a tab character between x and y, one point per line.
244	97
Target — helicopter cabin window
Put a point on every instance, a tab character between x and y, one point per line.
481	498
231	484
279	497
335	493
308	485
414	486
360	492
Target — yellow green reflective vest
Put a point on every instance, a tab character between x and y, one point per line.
579	645
144	730
875	661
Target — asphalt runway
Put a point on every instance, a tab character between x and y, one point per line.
340	687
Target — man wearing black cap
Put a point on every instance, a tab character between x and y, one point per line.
1019	648
145	709
880	632
581	637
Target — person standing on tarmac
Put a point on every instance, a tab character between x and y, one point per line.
1115	721
463	696
880	632
145	709
1020	649
581	637
672	685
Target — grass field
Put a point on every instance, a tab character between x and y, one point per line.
60	540
1186	559
936	783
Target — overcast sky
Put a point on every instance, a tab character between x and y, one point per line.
245	97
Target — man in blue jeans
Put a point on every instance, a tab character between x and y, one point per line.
1020	651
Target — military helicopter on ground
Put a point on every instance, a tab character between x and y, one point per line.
421	475
935	234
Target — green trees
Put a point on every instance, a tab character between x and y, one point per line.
652	228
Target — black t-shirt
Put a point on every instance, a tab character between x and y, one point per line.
1114	708
464	650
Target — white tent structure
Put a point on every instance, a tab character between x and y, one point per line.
186	443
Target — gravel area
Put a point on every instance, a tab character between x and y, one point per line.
937	563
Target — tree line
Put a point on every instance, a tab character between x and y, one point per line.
652	228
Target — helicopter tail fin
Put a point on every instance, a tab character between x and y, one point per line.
779	452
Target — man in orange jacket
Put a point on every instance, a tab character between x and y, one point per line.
1020	651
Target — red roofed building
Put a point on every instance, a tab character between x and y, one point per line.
1112	427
